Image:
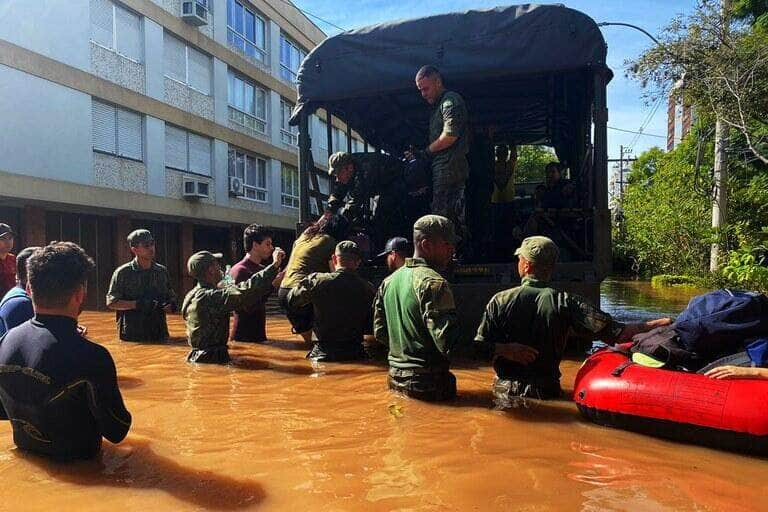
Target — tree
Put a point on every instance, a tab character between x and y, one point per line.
531	161
722	67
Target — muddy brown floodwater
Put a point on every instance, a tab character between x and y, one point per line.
270	432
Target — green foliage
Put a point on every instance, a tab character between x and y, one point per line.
666	221
754	11
531	161
747	268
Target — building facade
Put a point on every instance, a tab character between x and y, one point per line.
165	114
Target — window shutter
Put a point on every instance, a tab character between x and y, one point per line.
128	27
129	140
101	22
174	59
175	148
199	154
262	183
199	71
103	127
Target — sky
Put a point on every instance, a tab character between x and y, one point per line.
626	107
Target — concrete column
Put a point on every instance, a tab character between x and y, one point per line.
33	227
273	117
219	9
220	72
122	229
220	172
274	47
274	186
186	234
154	150
153	59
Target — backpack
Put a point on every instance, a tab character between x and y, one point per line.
719	322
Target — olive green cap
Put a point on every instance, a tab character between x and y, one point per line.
199	262
140	236
337	161
435	225
538	249
348	248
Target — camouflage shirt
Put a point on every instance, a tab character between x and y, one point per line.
544	318
449	116
374	174
206	308
415	315
342	302
131	282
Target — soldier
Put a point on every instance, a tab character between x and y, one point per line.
448	147
395	252
415	315
525	328
140	293
206	307
358	177
342	302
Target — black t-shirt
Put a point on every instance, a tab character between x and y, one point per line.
59	390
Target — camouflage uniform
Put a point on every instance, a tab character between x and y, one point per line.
206	312
542	317
342	302
415	315
450	168
375	174
151	288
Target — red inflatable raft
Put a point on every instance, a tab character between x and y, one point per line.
729	414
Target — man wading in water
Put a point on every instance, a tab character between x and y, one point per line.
415	315
207	307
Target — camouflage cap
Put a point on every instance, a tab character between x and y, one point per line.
140	236
348	248
199	262
5	230
337	161
538	249
435	225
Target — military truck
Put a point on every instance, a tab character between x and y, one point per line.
530	75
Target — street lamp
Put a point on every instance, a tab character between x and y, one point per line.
616	23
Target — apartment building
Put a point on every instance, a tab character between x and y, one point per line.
165	114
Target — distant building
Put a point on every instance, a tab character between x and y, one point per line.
680	118
165	114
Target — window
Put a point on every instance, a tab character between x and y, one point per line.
246	30
339	140
247	104
116	29
116	131
291	56
288	134
289	186
187	151
252	170
186	65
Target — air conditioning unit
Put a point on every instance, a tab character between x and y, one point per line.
236	186
195	189
195	12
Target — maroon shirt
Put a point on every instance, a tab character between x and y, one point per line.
7	274
249	325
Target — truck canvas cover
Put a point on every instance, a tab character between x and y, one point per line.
502	60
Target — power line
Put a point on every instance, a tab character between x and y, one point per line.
637	133
286	2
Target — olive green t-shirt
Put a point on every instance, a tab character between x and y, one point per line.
307	256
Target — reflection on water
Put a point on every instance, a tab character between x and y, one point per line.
632	300
272	431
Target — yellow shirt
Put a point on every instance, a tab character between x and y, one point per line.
308	255
505	194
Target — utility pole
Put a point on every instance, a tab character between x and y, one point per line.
621	173
720	193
